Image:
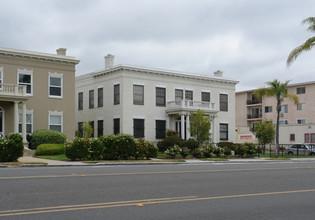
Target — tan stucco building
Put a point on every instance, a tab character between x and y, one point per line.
297	122
36	92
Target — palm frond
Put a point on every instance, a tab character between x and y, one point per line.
293	98
307	46
311	22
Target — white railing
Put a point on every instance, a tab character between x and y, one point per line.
12	90
190	105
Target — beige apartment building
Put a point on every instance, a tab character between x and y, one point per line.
36	92
297	122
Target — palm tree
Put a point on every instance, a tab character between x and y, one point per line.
279	91
307	45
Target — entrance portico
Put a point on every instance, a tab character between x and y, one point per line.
179	115
11	97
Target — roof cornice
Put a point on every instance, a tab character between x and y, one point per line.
161	72
38	56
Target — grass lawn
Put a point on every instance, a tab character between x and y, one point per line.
215	159
61	157
18	164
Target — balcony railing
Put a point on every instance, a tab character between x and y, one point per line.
190	105
254	116
253	102
12	90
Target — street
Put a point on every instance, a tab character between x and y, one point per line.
262	190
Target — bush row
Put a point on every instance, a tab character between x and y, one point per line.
50	149
11	148
111	147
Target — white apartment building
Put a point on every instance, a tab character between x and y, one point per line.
145	102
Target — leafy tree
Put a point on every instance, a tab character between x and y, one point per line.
279	91
265	132
87	129
200	126
307	45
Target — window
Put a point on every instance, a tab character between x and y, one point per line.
188	95
1	75
292	137
29	122
205	96
179	94
100	97
138	128
138	94
116	126
160	96
300	90
80	128
80	101
92	125
116	94
91	99
268	109
55	85
284	109
309	137
283	122
224	132
25	77
301	121
301	106
55	121
160	129
100	128
224	102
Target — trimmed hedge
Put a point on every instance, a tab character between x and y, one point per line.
11	148
169	142
50	149
45	136
111	147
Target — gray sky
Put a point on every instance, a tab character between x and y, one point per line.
249	40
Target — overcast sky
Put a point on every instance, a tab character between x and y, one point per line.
249	40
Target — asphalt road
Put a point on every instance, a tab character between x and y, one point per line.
266	190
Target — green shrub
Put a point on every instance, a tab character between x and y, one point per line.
111	148
145	149
172	151
227	151
29	140
240	150
78	149
207	150
45	136
218	151
191	144
96	149
170	133
250	149
50	149
169	142
184	151
126	146
11	148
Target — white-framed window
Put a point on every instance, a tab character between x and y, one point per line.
1	75
283	122
301	121
55	82
29	122
301	106
55	120
284	109
25	77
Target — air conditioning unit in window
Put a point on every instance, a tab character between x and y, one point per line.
281	114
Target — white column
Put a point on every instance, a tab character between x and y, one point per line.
24	122
168	122
188	126
213	128
182	123
16	117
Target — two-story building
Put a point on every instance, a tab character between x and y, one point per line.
145	102
36	92
297	122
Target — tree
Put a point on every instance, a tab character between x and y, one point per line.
265	132
279	91
87	129
307	45
200	126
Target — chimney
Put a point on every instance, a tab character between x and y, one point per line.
218	73
62	51
109	61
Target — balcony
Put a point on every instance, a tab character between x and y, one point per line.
254	116
189	105
253	102
12	92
